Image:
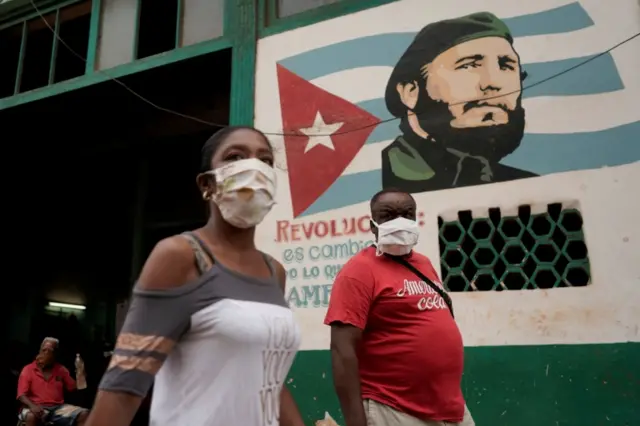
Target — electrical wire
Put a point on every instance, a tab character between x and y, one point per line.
300	134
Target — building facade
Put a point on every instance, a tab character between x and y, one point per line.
515	126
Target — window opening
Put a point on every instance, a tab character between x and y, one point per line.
32	55
525	251
158	26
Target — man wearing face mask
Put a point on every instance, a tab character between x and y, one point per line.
396	350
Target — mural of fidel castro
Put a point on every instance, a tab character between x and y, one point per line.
457	90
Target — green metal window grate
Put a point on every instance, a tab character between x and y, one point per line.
527	251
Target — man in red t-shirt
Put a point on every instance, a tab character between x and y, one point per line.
41	388
397	352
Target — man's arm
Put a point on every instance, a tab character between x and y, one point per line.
24	383
27	402
352	294
69	384
289	413
37	410
344	340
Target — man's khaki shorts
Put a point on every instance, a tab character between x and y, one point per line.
383	415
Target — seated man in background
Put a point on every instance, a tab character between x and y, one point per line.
41	389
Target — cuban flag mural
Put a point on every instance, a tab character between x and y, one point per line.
469	106
576	116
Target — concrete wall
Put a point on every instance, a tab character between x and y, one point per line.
564	356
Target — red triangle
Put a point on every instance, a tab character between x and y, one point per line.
311	173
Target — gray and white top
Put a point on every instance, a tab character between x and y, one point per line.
221	347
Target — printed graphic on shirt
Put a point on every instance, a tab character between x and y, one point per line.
429	300
277	357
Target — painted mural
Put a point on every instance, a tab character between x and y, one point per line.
458	127
457	91
468	105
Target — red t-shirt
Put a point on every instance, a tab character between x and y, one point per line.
411	353
46	393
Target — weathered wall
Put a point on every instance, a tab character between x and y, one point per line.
563	356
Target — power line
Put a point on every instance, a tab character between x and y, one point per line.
199	120
537	83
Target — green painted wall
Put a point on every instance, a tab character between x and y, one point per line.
555	385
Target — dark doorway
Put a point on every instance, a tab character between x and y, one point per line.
82	161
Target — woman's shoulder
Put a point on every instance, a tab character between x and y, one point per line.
279	270
170	264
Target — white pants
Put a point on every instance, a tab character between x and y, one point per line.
383	415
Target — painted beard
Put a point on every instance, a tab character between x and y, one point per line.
491	142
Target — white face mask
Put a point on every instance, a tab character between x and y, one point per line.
397	237
245	191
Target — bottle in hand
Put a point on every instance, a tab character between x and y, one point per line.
81	378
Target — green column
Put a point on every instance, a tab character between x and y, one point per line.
94	35
241	25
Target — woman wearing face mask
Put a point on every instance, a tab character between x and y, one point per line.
208	318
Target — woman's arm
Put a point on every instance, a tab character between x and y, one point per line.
289	413
149	333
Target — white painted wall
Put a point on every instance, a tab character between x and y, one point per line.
117	33
608	310
202	20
